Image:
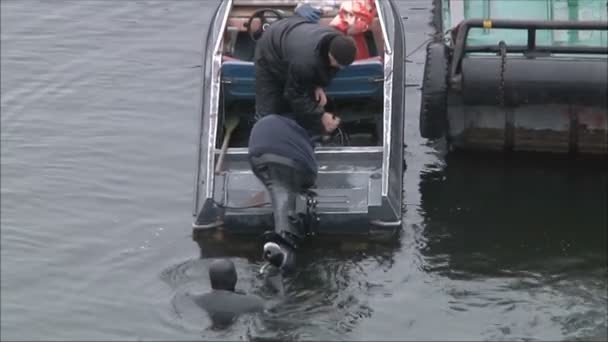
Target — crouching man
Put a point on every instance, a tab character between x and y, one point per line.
281	155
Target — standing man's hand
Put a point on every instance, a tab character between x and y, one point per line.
320	96
330	122
310	13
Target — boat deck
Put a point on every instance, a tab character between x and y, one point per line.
350	189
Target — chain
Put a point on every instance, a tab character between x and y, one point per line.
503	54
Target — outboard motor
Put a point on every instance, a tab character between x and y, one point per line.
284	181
282	157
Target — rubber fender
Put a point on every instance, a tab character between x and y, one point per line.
433	102
535	81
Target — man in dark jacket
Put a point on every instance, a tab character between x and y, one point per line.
282	156
294	60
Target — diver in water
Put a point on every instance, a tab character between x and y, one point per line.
223	303
281	154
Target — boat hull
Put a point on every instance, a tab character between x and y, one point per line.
348	198
359	189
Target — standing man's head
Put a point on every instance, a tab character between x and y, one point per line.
342	51
222	274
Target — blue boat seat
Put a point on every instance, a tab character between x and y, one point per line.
362	79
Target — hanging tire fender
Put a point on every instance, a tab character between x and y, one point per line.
433	101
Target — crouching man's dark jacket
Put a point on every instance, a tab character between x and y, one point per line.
294	51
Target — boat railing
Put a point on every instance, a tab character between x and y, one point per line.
209	104
381	16
460	47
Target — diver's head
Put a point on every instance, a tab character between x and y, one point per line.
222	274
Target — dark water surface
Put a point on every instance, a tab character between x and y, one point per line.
99	124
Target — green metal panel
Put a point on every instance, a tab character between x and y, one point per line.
455	11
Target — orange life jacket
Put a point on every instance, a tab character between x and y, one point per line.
354	18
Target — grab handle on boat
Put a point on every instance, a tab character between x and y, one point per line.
230	124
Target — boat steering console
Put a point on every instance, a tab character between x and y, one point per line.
266	16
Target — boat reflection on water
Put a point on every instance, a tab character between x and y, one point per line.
223	244
519	244
488	213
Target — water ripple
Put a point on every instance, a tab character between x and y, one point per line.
99	128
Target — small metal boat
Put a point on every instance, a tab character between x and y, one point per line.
360	182
513	75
